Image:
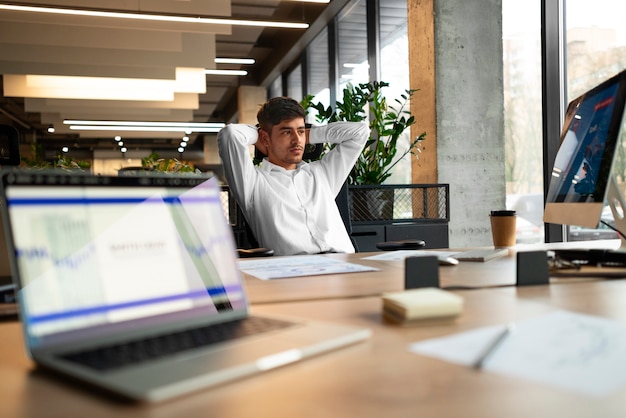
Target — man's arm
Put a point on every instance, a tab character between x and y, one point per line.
233	143
350	138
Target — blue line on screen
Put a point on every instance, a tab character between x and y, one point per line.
107	200
198	294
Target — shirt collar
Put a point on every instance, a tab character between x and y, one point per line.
267	167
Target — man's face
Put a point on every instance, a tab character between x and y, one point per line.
285	143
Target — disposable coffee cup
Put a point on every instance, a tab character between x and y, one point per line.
503	226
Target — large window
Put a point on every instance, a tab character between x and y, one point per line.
353	65
596	42
352	37
319	70
596	50
276	88
294	83
394	69
521	30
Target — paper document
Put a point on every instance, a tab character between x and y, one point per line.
298	266
582	353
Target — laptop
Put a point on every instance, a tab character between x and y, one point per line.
131	284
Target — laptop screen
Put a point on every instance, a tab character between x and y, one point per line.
102	253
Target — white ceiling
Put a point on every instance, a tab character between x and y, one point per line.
36	43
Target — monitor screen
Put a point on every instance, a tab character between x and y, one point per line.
582	167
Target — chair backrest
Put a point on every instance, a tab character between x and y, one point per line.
343	204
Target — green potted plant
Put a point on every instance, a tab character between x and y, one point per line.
155	165
154	162
64	162
387	122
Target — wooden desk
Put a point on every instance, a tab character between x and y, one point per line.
377	378
390	277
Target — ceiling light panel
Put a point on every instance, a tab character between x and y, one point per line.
174	115
214	7
116	14
181	101
196	50
196	22
188	80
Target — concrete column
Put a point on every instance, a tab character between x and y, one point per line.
470	114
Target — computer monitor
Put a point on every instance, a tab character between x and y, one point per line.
583	169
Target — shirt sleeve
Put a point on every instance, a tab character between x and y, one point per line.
233	143
349	139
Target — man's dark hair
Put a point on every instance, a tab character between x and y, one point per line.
278	109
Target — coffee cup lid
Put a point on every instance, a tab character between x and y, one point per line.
502	213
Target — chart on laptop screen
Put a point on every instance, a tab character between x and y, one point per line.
91	256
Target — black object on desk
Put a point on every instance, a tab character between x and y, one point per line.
593	257
405	244
421	271
532	268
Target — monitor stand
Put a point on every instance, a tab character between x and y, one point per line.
617	204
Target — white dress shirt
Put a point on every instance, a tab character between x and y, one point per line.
293	211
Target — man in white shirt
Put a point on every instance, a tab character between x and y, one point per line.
290	204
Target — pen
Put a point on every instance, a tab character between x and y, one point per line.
480	361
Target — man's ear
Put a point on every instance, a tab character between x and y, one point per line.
264	137
263	142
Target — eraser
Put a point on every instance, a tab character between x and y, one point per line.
417	305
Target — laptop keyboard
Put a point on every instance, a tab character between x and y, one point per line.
133	352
